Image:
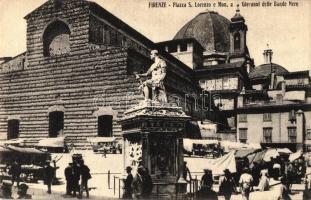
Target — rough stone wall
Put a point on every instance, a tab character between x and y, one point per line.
79	83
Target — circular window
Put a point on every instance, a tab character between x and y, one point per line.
56	39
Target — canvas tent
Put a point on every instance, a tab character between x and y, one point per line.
266	154
220	164
275	152
245	152
295	156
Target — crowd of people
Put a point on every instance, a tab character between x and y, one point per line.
15	171
249	177
228	186
284	172
138	186
6	191
77	175
292	172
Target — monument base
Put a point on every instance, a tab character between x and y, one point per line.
152	135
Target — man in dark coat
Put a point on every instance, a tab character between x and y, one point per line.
16	171
147	184
22	192
226	185
128	184
85	176
256	173
75	178
207	178
6	190
69	178
137	184
206	193
48	176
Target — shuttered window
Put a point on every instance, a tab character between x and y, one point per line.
292	134
242	118
267	135
266	117
243	134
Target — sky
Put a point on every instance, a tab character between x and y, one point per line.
287	29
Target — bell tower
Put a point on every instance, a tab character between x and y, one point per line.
238	30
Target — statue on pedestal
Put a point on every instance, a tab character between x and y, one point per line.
153	88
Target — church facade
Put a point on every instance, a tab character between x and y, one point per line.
77	76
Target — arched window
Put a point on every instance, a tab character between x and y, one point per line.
56	39
104	126
237	41
13	129
56	123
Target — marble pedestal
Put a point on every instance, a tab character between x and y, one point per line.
153	138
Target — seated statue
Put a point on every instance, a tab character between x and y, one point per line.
153	88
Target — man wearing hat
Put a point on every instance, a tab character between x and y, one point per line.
22	192
128	184
16	171
207	178
206	191
69	178
226	185
137	184
6	190
48	175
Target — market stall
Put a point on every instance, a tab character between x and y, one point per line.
106	144
30	159
200	147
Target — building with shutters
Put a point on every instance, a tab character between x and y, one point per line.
277	112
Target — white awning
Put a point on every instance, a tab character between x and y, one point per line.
208	129
102	139
52	142
229	145
295	96
12	141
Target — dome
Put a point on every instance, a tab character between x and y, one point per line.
210	29
264	70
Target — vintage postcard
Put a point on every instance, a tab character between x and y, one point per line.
155	99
